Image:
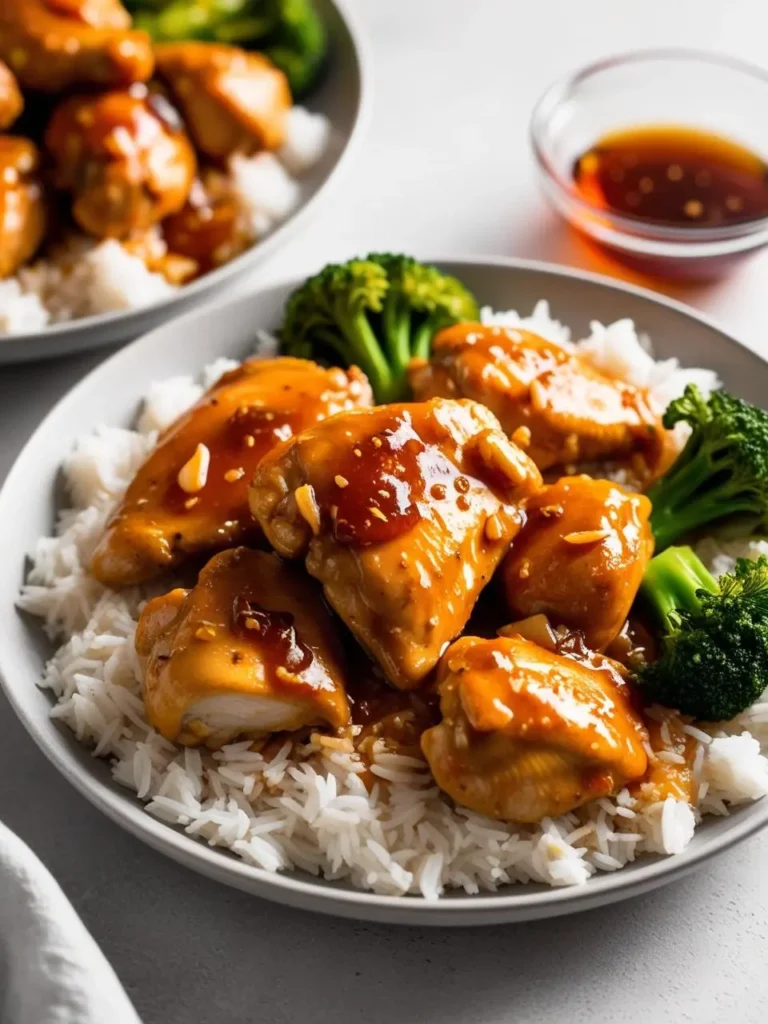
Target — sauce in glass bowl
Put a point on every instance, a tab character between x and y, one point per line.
674	175
660	157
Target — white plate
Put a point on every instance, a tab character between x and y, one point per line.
111	394
344	96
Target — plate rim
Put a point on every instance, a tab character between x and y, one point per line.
290	887
200	292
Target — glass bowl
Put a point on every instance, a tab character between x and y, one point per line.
700	90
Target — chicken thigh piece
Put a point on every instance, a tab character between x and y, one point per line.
580	557
191	495
11	100
528	733
22	203
211	228
573	413
250	650
52	45
403	513
124	156
232	101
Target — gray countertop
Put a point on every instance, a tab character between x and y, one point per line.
190	951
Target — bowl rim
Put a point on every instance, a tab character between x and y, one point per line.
195	292
556	94
290	887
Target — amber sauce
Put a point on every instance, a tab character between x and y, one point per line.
674	176
236	447
274	631
382	483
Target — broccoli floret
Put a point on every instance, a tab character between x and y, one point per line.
379	313
713	660
290	32
721	475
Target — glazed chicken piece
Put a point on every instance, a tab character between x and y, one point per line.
210	229
125	158
232	101
528	733
52	45
675	777
191	496
22	204
403	513
11	100
581	557
574	413
250	650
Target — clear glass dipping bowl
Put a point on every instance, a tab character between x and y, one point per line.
652	87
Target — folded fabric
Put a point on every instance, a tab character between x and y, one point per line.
51	970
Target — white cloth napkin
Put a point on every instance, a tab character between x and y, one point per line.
51	970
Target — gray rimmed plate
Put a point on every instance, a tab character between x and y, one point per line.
344	96
111	394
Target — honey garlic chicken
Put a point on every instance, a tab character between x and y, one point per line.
581	556
573	413
52	45
190	495
124	156
528	733
11	100
232	101
248	651
22	204
211	228
403	513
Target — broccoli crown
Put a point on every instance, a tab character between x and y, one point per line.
713	660
290	32
378	312
721	475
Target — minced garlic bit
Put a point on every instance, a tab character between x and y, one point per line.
234	474
306	503
193	475
693	208
191	502
522	437
377	442
525	569
493	529
285	676
205	633
377	513
341	481
249	440
585	536
357	452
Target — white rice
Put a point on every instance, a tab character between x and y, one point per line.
91	278
308	808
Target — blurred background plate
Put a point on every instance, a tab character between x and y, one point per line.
112	394
344	96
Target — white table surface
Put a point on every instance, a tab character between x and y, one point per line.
445	169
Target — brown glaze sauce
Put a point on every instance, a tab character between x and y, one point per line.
274	632
239	444
383	482
673	175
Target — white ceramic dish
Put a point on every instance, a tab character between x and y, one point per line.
111	394
344	96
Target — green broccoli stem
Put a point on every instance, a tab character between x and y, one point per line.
422	338
672	581
396	321
364	349
686	499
